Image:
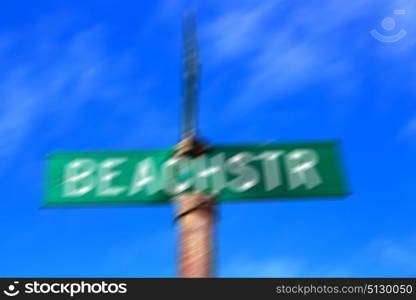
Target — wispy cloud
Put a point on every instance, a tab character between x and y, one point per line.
141	258
290	46
283	48
262	268
236	32
397	254
56	80
386	256
55	70
409	130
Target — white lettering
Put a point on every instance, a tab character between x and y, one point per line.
271	173
106	175
247	175
145	176
300	168
183	166
78	180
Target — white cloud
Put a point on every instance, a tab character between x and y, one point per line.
54	71
142	257
285	47
290	46
409	130
262	268
237	32
388	256
396	254
38	86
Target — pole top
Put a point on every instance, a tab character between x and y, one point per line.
190	144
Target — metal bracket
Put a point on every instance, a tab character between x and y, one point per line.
190	146
192	202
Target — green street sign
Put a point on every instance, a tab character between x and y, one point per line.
229	172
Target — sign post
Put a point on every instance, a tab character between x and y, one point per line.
195	210
196	220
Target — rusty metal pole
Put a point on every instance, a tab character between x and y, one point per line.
194	210
195	215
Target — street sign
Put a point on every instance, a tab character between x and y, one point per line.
227	172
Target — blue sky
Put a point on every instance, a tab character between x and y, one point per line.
88	75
